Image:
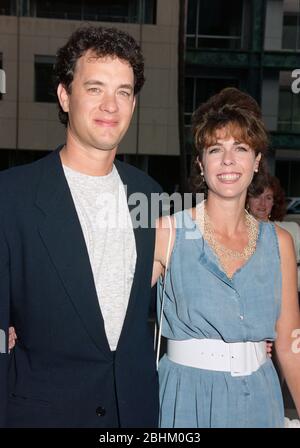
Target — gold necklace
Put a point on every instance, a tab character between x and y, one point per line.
224	253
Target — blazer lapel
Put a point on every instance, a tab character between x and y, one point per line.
139	235
61	233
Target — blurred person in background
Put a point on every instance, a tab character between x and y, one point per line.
266	202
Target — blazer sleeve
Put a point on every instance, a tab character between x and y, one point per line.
4	324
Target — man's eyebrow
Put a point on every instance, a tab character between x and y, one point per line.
126	86
100	83
94	82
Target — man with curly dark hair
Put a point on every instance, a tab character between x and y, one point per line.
75	271
102	42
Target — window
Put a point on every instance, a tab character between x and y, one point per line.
128	11
121	11
198	90
215	24
56	9
149	12
43	70
289	105
287	172
7	7
291	25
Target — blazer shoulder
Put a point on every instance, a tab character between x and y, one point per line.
145	182
20	179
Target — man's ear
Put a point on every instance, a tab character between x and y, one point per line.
63	97
133	104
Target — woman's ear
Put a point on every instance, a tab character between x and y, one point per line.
257	160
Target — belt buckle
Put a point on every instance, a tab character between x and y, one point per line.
240	363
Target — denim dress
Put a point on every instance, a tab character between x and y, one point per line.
202	302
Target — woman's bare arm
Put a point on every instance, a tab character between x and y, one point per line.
288	324
161	246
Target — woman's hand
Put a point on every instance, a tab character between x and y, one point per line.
269	346
12	337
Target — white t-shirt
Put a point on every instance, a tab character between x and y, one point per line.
102	209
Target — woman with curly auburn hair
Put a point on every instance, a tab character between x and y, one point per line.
222	296
230	108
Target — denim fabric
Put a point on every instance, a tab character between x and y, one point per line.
202	302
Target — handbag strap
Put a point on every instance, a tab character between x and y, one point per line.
163	291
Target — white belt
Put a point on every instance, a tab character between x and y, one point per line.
238	358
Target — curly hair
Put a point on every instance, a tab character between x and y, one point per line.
238	114
279	203
103	42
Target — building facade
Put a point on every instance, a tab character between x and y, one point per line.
31	31
192	48
253	45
